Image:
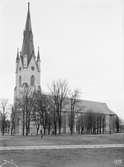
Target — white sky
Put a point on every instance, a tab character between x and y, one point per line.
80	41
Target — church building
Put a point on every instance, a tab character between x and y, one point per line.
28	75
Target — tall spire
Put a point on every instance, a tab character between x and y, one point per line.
28	21
38	55
28	45
17	58
38	59
28	5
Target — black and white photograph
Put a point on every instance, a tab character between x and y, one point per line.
62	83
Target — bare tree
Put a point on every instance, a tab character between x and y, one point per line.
3	115
36	119
40	111
74	99
58	91
91	122
26	105
81	124
13	120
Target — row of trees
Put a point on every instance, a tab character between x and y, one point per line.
45	110
95	123
91	123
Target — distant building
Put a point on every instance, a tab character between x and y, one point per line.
28	75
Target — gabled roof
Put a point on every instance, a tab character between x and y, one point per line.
35	62
83	106
96	107
92	106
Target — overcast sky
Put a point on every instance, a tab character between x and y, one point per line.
80	41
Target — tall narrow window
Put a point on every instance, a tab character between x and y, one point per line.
32	80
20	81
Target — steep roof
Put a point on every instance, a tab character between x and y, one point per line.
83	106
86	105
95	107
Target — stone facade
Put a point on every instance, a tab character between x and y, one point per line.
27	64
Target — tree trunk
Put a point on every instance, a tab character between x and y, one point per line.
55	128
59	125
44	130
23	130
37	130
37	127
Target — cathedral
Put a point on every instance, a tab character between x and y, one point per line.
28	75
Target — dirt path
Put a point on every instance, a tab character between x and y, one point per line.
50	147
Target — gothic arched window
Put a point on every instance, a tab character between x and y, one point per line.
32	80
20	81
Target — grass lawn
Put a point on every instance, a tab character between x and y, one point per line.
102	157
60	140
65	158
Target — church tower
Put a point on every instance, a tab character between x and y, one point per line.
27	72
27	63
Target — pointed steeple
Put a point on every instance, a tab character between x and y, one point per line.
38	60
28	21
28	45
38	55
17	58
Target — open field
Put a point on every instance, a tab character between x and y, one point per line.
62	140
65	158
74	157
